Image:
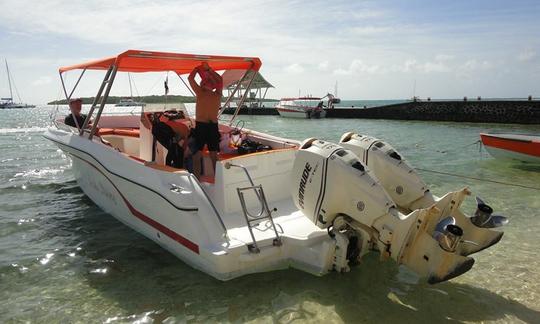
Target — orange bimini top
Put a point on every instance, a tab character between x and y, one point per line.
146	61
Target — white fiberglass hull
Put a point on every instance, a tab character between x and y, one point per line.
291	113
508	155
295	112
16	106
184	223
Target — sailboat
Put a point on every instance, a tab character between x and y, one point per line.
335	99
129	102
7	103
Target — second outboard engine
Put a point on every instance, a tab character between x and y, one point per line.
398	178
410	192
336	191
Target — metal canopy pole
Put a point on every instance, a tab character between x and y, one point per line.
103	101
243	98
97	97
227	102
67	98
184	82
77	83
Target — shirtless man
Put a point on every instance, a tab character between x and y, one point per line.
206	116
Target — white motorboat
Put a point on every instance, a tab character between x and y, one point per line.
302	107
8	103
129	102
315	206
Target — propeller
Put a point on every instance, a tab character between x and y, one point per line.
483	216
448	234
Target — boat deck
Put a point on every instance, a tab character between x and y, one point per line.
290	223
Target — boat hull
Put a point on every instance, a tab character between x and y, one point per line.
300	113
510	147
183	222
16	106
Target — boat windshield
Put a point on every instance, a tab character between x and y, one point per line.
171	108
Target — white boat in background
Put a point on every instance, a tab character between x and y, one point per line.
315	206
302	107
517	147
129	102
8	103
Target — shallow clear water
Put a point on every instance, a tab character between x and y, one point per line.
63	260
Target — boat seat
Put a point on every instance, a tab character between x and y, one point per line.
130	132
160	167
229	156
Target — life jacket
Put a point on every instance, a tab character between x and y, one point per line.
163	133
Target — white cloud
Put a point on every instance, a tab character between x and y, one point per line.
323	66
366	14
300	42
358	66
42	80
409	65
444	57
527	56
472	65
369	30
436	66
294	68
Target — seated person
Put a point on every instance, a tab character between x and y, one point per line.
75	106
171	134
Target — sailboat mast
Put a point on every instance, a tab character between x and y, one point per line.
9	82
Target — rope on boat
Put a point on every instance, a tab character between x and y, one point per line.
479	179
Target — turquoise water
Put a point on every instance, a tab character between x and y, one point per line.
64	260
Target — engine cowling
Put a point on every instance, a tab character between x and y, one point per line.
326	174
410	192
397	176
335	190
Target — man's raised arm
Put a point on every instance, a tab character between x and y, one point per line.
218	80
191	78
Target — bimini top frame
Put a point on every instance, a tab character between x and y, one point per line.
138	61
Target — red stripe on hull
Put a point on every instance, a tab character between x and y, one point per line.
291	110
523	147
160	227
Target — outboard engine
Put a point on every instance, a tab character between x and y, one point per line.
336	191
397	177
410	192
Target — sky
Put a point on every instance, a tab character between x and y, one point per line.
373	49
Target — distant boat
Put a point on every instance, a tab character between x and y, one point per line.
524	148
334	99
302	107
129	102
7	103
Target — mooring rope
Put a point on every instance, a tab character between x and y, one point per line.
462	147
479	179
